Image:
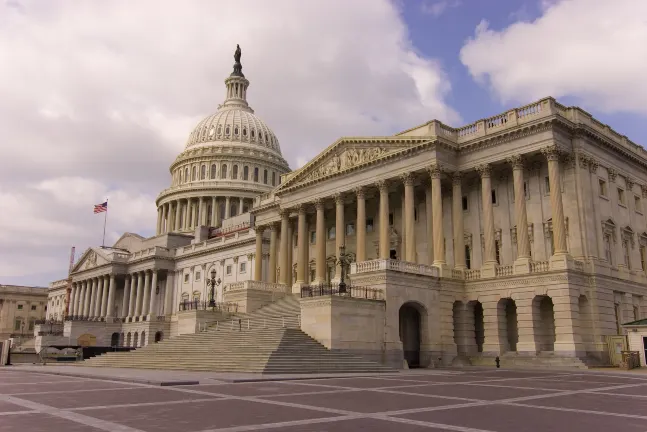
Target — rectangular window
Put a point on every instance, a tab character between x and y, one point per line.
186	278
603	187
243	267
547	184
197	276
607	249
390	219
415	213
621	196
17	325
31	326
643	258
638	204
33	307
468	257
465	203
494	196
332	233
19	307
350	229
369	225
627	256
313	237
312	275
229	269
525	190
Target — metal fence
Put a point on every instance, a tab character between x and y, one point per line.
206	305
342	291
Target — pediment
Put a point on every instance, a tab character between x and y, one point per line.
349	154
127	241
90	259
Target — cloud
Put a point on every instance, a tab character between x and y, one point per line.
590	50
98	98
437	7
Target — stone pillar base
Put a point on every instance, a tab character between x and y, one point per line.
488	270
561	262
443	269
522	266
296	287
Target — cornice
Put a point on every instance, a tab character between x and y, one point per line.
505	136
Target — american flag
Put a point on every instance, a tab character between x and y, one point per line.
100	208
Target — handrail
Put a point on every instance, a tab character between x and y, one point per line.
248	322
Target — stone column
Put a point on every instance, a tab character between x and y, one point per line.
178	217
526	324
104	297
79	300
93	298
522	263
271	273
168	292
240	205
132	306
258	264
559	232
227	207
430	224
320	274
138	297
200	211
159	221
126	298
409	218
152	295
290	251
360	248
86	298
285	268
110	307
185	216
196	212
146	295
171	217
464	329
340	230
457	222
214	211
302	243
163	224
437	216
385	246
495	339
489	261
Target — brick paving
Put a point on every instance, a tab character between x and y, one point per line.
469	400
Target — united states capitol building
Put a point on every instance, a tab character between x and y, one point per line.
523	236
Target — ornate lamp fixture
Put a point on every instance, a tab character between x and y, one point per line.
213	283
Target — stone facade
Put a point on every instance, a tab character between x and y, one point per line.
522	234
20	308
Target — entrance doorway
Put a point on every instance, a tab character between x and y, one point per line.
507	309
393	254
645	348
114	340
410	334
479	326
158	336
544	322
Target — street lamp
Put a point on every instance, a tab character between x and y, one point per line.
213	283
343	261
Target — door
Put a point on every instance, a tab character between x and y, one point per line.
645	349
616	344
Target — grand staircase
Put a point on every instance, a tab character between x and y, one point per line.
268	341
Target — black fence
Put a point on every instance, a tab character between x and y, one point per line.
342	290
52	322
206	305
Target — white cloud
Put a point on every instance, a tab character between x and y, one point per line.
99	98
437	7
592	50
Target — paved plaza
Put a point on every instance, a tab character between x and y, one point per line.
434	400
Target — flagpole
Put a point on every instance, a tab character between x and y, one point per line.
105	218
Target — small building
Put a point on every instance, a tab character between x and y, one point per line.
20	308
637	338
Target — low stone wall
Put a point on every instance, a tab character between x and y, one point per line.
193	320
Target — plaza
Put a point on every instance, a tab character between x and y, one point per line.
476	400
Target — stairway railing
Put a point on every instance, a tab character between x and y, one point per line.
252	323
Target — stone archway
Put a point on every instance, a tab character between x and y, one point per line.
159	336
479	325
544	322
114	340
508	328
411	332
128	339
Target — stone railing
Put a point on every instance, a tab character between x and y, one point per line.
506	270
393	265
458	274
472	274
255	285
539	266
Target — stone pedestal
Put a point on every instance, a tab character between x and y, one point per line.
561	262
521	266
488	270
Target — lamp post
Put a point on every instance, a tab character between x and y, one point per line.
343	261
213	283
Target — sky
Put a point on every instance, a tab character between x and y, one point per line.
98	98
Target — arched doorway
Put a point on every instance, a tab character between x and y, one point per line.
479	326
410	333
135	340
507	314
544	322
128	339
159	336
114	340
142	339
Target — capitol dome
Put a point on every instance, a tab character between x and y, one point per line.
230	158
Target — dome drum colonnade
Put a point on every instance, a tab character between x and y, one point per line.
433	203
230	158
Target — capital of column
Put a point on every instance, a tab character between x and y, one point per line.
284	212
301	209
435	171
339	198
407	178
360	192
484	170
552	152
273	226
259	229
583	160
382	185
612	174
517	161
250	256
629	182
319	204
457	178
593	165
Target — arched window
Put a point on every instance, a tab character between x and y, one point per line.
273	178
203	172
213	171
227	131
253	134
245	172
234	172
196	295
186	175
223	171
265	176
219	129
256	175
235	130
233	210
194	176
244	131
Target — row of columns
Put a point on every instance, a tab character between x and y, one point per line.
434	224
139	294
93	298
189	213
